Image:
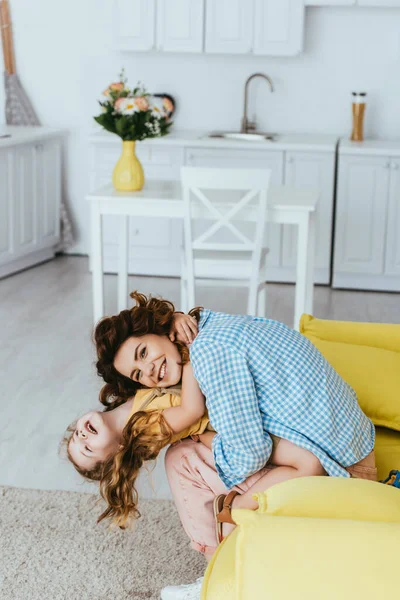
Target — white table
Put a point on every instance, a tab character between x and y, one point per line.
163	199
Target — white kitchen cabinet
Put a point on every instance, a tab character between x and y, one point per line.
330	2
134	24
367	253
48	189
278	27
314	170
392	259
26	200
30	198
7	206
379	3
229	26
180	25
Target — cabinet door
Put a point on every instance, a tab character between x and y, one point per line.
392	262
362	199
26	209
330	2
316	170
229	26
251	159
180	25
278	27
48	186
7	220
379	3
134	24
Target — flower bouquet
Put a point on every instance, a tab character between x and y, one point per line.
133	115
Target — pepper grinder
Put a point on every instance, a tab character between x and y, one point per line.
359	102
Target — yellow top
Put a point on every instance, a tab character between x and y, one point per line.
162	398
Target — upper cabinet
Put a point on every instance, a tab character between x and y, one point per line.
173	26
268	27
330	2
229	26
134	24
379	3
278	27
180	25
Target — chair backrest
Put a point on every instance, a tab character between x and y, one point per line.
197	182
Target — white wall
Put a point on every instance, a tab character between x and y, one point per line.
65	59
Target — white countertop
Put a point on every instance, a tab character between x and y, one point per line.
24	135
370	147
199	139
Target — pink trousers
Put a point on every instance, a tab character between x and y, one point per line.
194	483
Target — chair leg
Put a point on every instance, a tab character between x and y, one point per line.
252	301
184	302
262	301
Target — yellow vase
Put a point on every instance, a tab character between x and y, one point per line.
128	173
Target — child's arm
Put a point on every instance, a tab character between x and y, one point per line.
192	406
206	438
184	328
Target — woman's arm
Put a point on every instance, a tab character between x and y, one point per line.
192	406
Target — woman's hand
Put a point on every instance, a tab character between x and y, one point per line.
184	329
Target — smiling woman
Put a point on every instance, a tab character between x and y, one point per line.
133	345
150	360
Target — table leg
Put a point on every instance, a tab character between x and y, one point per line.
310	265
123	263
97	262
301	270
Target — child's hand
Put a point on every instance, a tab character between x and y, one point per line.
184	329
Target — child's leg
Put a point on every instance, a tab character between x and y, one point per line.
194	484
291	461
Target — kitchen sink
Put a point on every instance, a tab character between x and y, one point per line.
245	137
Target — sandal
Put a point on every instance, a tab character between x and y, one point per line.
222	506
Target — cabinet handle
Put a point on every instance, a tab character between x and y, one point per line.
388	165
395	166
290	160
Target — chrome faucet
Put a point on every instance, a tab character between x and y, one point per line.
246	124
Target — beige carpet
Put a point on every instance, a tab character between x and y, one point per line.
52	548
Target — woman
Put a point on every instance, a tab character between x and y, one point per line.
256	374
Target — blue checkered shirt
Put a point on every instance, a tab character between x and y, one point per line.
260	377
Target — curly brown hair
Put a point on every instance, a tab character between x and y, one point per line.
149	315
117	475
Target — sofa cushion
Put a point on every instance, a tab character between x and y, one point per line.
276	558
367	356
311	538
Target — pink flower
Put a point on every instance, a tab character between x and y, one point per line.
114	87
119	104
168	106
142	103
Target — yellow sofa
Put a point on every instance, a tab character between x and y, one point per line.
367	356
321	538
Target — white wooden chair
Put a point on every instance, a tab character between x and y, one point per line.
222	196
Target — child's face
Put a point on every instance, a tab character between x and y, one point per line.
93	440
151	360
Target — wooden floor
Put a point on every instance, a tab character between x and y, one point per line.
46	357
